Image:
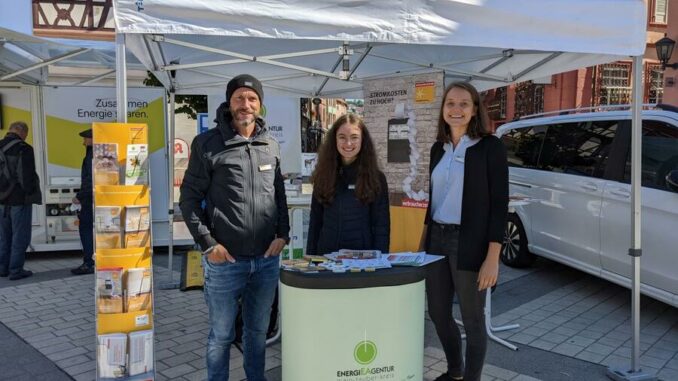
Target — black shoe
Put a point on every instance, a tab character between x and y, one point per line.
4	274
446	377
21	275
82	270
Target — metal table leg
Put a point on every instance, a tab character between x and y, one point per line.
488	324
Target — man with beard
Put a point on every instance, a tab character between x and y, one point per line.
243	226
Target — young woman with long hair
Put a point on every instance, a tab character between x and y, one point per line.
465	223
350	208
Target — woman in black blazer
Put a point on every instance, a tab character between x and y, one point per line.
468	203
350	208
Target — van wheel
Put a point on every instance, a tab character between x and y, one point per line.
514	251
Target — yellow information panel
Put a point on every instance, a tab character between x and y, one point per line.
122	237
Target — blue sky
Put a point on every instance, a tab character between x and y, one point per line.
16	15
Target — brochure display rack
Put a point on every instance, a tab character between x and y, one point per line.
122	236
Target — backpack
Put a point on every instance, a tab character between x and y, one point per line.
7	181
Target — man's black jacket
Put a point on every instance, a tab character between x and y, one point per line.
21	162
242	186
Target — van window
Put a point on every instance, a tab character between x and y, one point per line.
578	148
659	156
523	146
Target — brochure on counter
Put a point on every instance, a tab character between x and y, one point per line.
357	261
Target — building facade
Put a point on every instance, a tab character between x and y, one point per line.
602	85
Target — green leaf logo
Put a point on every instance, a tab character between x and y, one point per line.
365	352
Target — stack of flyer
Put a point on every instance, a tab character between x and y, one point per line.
109	290
123	355
407	259
138	289
107	224
137	226
136	168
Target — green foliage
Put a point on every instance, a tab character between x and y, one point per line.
190	104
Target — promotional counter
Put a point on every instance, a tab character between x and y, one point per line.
353	326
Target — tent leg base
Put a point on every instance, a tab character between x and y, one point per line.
621	373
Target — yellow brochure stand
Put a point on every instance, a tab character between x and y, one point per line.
123	252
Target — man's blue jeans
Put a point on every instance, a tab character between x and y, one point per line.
255	281
15	236
86	230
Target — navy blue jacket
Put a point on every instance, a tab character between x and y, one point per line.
84	195
347	223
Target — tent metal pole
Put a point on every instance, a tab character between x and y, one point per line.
120	78
94	79
44	63
635	373
171	284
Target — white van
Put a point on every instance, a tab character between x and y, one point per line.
576	169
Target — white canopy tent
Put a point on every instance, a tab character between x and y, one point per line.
295	46
327	48
27	59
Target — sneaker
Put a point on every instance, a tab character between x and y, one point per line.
82	270
21	275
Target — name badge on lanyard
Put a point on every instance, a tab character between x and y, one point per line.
351	186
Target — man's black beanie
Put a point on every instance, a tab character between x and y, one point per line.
244	80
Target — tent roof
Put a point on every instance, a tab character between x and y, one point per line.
294	46
26	58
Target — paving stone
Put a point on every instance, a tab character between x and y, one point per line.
652	361
523	338
178	371
616	360
434	352
534	331
74	360
554	337
600	349
176	360
199	375
523	377
64	354
667	374
580	340
428	361
590	356
500	373
565	331
81	368
543	344
567	349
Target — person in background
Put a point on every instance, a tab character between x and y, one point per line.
16	207
243	227
349	208
86	215
465	223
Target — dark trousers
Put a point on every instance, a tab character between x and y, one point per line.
85	228
443	281
15	236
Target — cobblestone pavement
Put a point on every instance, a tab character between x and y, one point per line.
51	318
